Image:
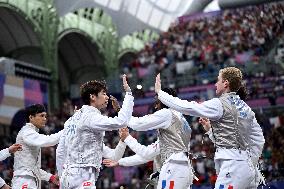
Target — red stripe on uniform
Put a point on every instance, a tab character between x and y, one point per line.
172	184
230	187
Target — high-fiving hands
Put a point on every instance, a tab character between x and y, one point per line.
123	133
125	84
158	84
115	103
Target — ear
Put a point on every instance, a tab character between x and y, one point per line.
226	83
92	97
30	117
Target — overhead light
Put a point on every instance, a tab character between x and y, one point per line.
139	87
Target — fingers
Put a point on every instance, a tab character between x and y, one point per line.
18	146
158	84
15	147
158	78
203	120
108	162
112	98
124	79
125	84
124	129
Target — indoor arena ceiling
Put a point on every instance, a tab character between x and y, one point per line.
16	33
136	15
133	15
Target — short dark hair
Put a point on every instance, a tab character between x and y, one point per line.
170	91
93	87
33	110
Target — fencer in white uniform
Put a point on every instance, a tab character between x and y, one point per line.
174	141
238	137
84	132
113	154
27	162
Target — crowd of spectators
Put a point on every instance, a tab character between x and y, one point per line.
232	37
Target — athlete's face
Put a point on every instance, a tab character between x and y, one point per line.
221	85
101	100
39	120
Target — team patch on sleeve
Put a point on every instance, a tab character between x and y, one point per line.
24	186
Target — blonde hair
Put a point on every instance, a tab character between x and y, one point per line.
234	77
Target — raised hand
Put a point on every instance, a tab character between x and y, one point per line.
123	133
110	163
115	103
158	84
205	122
125	84
14	148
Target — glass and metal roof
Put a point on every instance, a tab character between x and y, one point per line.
132	15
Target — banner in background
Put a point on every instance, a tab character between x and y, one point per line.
17	93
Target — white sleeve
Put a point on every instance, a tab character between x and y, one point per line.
60	155
133	160
2	182
4	154
148	152
159	119
257	140
114	154
210	135
211	109
33	138
44	175
105	123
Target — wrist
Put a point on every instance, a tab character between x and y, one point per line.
10	150
127	139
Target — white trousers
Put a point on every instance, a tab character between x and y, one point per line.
78	178
234	174
24	182
175	175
